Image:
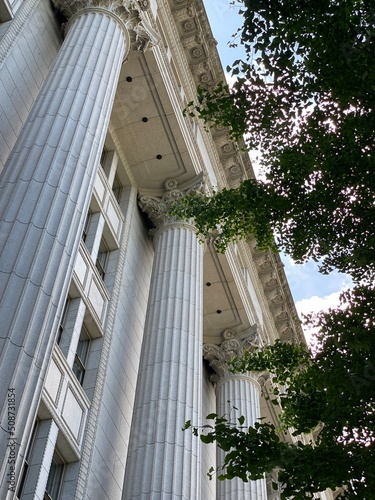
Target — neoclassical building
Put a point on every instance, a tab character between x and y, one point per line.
116	322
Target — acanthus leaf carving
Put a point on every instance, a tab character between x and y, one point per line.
233	346
157	208
131	13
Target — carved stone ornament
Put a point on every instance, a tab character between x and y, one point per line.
131	13
272	478
157	208
233	346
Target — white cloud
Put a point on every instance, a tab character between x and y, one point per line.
316	304
230	79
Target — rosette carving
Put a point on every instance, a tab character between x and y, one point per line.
131	13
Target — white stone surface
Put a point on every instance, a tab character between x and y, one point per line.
72	412
44	194
242	392
114	395
40	460
164	462
53	382
27	51
208	491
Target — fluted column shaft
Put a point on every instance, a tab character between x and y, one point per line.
243	392
163	461
44	195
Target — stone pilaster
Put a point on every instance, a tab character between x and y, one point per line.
241	391
45	190
163	461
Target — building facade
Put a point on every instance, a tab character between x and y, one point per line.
116	321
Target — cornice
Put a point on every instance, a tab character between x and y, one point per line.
276	291
166	18
201	64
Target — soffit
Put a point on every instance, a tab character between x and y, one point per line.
143	142
223	308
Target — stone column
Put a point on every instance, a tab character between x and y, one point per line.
45	190
235	390
163	461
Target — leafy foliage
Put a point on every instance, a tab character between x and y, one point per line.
305	97
252	451
229	215
330	390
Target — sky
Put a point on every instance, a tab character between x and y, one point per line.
311	290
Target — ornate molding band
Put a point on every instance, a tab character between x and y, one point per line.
130	13
157	208
15	27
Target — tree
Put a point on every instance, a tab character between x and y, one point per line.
305	97
331	390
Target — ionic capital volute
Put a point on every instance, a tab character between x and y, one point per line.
233	346
158	207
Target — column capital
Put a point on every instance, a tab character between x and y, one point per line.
131	14
233	346
157	207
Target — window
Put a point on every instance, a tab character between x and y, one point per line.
62	321
117	188
82	354
5	12
86	226
102	158
55	478
26	463
102	259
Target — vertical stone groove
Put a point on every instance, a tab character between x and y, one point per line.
243	392
45	189
162	460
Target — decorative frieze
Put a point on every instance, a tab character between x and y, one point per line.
189	42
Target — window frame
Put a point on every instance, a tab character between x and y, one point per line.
54	494
102	258
82	355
